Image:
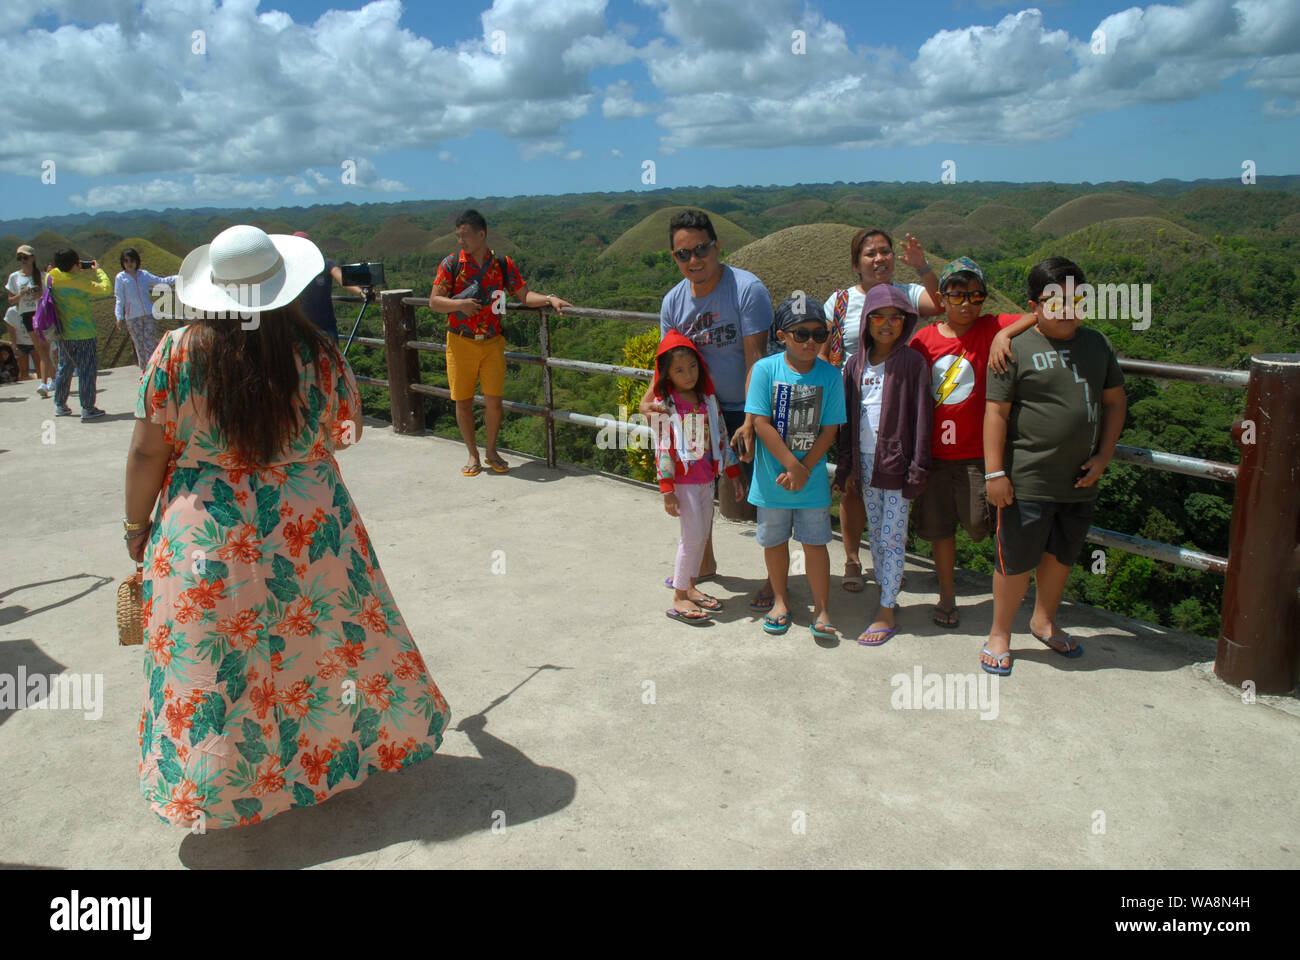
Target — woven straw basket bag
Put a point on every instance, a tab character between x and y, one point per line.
130	609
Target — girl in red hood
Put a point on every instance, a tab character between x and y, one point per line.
692	449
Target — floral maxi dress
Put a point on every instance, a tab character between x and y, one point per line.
278	670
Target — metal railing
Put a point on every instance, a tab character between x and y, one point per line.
1264	652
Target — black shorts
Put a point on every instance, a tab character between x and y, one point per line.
27	321
1030	528
953	494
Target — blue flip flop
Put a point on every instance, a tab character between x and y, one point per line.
828	631
1072	650
999	657
776	625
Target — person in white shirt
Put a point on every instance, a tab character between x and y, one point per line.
133	289
24	289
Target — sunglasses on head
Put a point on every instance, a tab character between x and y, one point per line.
970	296
801	334
700	250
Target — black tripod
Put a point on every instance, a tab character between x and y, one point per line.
369	298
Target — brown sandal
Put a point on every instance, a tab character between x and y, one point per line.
852	581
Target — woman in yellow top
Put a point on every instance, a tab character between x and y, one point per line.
73	283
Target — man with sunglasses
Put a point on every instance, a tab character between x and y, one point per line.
727	313
959	349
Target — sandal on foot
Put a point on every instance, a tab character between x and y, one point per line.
884	634
706	602
999	670
852	580
1072	650
824	630
777	625
498	465
763	601
471	470
685	616
946	618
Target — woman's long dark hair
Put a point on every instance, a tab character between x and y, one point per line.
36	271
250	378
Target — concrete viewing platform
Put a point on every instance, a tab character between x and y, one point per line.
602	734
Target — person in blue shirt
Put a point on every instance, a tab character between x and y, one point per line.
797	402
133	306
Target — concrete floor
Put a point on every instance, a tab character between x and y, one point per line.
639	742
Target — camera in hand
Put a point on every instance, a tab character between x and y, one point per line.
87	264
362	274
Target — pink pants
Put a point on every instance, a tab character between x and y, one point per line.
695	504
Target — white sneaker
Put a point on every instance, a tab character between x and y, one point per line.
44	389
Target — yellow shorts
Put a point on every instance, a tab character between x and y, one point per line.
471	361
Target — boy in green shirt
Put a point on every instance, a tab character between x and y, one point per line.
1050	427
78	347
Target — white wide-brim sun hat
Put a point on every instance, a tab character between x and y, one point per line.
246	270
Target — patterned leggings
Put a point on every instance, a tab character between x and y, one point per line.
887	518
83	355
144	334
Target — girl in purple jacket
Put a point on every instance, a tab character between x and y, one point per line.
884	447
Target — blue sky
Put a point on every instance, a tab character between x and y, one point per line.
268	103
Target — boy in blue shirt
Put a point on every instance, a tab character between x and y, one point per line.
797	401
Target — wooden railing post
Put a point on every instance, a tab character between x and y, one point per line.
1259	640
403	364
548	398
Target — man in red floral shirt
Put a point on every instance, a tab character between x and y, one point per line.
476	350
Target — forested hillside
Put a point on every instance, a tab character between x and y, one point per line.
1222	261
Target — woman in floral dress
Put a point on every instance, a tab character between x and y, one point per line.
277	668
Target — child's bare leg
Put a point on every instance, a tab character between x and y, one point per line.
853	521
817	564
945	560
1049	581
1008	591
777	560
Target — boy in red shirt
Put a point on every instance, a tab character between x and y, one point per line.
959	350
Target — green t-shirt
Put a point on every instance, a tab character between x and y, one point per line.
1054	388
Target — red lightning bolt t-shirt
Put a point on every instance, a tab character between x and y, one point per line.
958	368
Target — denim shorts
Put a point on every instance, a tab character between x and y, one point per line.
811	526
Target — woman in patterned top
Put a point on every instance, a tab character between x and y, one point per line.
278	670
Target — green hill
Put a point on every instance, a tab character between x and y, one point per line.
92	243
397	237
164	238
946	206
1232	209
814	258
46	243
1289	227
651	234
946	233
1095	207
998	217
796	209
1163	247
152	257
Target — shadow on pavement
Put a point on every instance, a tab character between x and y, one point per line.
438	799
33	660
12	613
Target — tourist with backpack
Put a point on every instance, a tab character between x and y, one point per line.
471	287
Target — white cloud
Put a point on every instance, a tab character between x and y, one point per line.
201	188
620	102
616	152
273	96
446	156
573	155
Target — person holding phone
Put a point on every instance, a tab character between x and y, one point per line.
73	281
470	287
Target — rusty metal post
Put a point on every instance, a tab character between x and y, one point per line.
548	398
403	364
1259	640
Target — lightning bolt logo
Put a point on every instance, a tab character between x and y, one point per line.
949	381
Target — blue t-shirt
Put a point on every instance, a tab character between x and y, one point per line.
799	405
738	307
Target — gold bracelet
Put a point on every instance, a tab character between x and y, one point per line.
130	527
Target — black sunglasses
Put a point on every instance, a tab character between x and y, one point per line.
801	334
967	296
700	250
